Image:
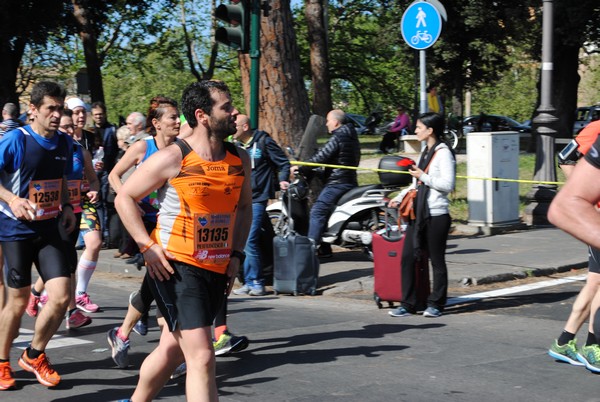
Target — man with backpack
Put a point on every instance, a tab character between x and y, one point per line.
270	172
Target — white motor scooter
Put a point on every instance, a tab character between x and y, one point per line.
358	214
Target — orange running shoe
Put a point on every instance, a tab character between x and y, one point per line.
41	368
7	380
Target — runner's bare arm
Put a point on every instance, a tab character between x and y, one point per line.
91	176
573	209
243	219
150	175
132	157
67	217
19	206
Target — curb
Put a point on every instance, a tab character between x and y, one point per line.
528	273
366	284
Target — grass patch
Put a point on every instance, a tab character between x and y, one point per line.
459	207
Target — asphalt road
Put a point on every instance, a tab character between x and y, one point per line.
332	348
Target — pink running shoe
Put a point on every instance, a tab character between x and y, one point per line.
77	320
43	300
84	303
32	305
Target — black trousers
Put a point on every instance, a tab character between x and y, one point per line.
435	239
389	140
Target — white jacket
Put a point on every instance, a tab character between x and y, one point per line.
440	179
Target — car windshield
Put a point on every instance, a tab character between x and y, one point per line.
582	114
511	122
360	119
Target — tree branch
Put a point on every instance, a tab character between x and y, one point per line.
189	46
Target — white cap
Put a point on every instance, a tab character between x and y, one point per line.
73	103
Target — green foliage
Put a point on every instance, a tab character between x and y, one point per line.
163	69
130	89
513	94
369	66
590	80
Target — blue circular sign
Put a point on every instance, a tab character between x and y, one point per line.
421	25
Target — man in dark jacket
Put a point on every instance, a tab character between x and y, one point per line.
268	160
342	148
107	134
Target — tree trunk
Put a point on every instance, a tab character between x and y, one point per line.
458	97
89	38
11	53
319	58
283	101
565	80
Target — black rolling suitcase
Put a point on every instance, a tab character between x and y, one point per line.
295	262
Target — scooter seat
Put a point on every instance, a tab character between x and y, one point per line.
356	192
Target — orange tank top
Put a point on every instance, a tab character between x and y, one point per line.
198	209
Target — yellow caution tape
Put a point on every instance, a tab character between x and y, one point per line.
404	172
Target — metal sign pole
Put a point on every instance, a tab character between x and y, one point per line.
254	62
421	26
423	81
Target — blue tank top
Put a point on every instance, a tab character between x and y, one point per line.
150	203
47	159
77	171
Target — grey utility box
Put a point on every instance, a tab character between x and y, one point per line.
493	204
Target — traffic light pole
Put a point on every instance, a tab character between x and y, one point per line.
254	62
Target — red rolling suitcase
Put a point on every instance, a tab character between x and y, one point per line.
387	256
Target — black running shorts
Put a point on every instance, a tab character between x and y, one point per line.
47	251
594	260
191	298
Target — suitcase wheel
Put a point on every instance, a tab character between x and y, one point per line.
377	301
295	293
313	292
390	304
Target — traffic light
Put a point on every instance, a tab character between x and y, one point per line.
237	15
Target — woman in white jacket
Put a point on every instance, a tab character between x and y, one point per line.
427	234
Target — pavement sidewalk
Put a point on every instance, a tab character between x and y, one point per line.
473	260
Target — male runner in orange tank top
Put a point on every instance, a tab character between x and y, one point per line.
196	250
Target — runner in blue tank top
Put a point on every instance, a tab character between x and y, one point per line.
163	128
82	181
34	202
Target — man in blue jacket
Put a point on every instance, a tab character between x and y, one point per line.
343	148
270	171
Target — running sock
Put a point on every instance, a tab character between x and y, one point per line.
35	292
120	335
33	353
85	270
591	339
219	331
565	337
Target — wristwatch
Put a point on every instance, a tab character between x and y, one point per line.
240	255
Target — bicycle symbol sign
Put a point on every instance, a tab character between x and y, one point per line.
421	25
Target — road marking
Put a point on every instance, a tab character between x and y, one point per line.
57	341
514	289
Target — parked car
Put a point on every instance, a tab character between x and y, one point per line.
358	122
493	122
365	125
584	115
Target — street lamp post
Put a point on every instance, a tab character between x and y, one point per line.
544	125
